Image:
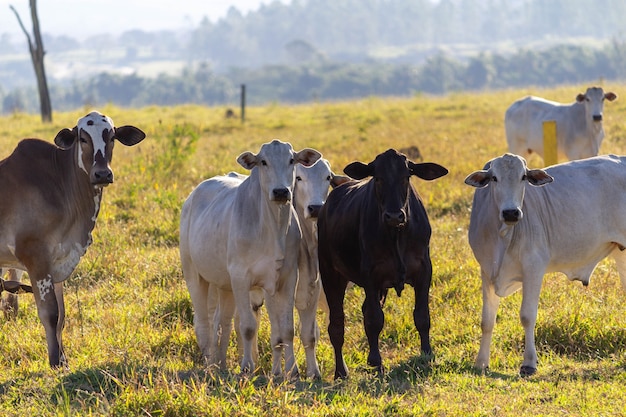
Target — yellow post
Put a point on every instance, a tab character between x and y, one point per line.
549	143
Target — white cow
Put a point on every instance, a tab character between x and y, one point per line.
310	192
519	231
239	234
579	130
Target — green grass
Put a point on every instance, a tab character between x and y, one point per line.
129	334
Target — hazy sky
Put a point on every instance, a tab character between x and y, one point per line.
80	18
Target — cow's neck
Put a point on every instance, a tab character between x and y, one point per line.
83	198
273	219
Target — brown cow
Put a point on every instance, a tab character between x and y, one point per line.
52	198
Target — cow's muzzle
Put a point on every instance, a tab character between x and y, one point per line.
597	117
314	210
281	195
397	219
511	216
102	177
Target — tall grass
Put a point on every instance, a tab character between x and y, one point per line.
129	334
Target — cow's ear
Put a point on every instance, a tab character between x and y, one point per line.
358	170
580	97
427	170
538	177
65	138
247	160
478	179
610	96
307	157
129	135
337	180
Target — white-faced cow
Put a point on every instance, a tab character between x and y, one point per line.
519	231
579	130
375	233
51	200
310	192
241	234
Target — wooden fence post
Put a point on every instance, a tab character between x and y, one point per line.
243	103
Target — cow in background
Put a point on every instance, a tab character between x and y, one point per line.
52	197
240	234
528	222
375	233
579	129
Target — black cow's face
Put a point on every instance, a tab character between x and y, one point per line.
391	172
391	180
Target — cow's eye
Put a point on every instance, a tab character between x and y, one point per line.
263	162
298	178
328	178
83	140
524	177
494	179
291	161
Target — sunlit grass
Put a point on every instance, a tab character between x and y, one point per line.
129	333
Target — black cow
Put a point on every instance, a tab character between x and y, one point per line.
376	234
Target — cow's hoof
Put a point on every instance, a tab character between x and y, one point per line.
526	371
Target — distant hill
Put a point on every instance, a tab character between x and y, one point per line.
323	34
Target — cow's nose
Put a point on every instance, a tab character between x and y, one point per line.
281	195
597	117
102	176
511	215
314	210
394	219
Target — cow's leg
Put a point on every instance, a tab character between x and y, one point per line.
421	313
528	316
373	320
223	325
280	310
256	301
58	293
199	293
306	303
248	326
334	288
51	314
491	301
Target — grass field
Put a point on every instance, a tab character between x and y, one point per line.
129	334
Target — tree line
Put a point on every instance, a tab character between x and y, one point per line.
440	74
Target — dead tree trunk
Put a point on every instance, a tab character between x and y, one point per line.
37	54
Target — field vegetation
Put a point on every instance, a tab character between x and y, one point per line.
129	334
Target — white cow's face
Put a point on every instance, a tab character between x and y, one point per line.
276	163
311	188
507	176
593	99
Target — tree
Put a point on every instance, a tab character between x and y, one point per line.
37	54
